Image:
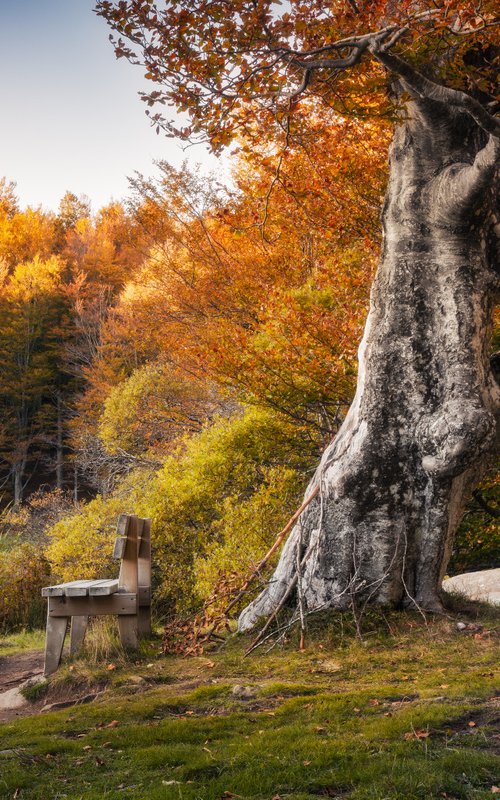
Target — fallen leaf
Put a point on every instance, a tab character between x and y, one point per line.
87	747
99	761
471	724
306	763
113	724
374	702
111	666
444	686
416	735
320	729
495	790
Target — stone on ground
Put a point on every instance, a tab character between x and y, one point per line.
483	586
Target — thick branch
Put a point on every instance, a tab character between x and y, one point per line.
423	87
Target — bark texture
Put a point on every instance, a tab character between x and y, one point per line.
424	418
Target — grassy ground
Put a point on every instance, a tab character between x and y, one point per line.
21	642
409	712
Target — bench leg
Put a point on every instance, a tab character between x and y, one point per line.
128	627
78	628
54	642
144	621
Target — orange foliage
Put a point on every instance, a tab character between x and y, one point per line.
260	292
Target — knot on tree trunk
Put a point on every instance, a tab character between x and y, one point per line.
453	437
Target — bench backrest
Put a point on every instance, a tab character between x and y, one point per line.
133	549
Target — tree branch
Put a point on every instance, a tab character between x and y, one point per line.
425	88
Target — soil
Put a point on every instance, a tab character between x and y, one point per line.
14	670
19	667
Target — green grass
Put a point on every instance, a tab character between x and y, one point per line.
408	714
21	642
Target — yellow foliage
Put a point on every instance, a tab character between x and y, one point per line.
23	571
82	543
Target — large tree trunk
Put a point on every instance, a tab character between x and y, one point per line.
393	482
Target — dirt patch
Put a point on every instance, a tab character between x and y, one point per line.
18	668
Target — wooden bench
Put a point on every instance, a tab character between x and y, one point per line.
128	596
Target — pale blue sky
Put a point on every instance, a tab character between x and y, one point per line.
70	114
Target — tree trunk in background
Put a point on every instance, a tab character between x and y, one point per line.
59	445
416	438
18	475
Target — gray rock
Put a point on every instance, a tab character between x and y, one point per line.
483	585
12	699
244	692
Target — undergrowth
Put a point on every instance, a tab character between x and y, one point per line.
408	712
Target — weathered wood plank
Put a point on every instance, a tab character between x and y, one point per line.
144	596
119	548
77	635
54	642
121	536
128	577
60	589
118	603
103	587
78	589
144	580
129	633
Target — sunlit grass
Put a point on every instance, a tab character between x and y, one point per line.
22	641
406	714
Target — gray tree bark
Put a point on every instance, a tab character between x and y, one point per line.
424	418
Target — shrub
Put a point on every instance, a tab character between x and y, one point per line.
221	495
23	571
82	543
477	543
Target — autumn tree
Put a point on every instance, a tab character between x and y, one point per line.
269	320
32	319
388	494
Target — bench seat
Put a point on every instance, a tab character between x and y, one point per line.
81	588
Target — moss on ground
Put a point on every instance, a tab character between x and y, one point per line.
409	713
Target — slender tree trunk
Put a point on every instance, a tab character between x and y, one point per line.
59	446
393	482
75	484
18	475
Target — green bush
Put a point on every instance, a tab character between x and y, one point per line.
220	497
23	571
477	543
